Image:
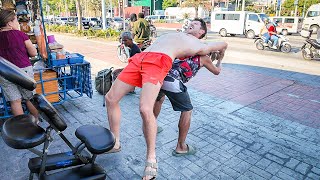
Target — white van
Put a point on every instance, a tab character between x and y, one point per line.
312	18
237	22
288	24
155	18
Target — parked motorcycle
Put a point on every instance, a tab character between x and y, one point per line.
153	31
311	48
283	44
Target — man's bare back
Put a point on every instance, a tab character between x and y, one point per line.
180	44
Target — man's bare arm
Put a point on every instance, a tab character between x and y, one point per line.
211	47
207	63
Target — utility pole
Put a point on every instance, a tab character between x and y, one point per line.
295	7
124	4
243	4
304	8
111	9
154	6
103	5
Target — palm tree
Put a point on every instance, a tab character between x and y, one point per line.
79	14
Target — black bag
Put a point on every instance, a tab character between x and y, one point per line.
103	81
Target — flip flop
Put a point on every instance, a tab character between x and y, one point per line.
113	150
191	151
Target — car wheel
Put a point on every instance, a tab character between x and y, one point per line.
250	34
223	32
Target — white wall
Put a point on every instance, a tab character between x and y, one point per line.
179	12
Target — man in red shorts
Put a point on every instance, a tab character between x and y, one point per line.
148	70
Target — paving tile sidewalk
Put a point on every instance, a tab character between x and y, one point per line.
233	128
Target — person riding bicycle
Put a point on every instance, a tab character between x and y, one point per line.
141	30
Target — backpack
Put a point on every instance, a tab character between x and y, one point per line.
103	81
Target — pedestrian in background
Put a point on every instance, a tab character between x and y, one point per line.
16	47
141	30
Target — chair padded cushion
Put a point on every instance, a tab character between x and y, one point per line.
87	172
96	138
22	132
55	120
15	75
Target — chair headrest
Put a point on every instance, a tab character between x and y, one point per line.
55	119
15	75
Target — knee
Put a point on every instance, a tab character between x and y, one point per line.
146	111
110	99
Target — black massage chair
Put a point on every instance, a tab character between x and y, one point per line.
23	132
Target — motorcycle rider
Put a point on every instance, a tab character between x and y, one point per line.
273	34
264	32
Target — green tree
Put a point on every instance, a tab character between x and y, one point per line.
195	4
95	6
169	3
288	6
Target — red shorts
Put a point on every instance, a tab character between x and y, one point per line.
146	67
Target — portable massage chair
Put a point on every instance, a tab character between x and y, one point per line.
23	132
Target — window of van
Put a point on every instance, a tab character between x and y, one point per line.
263	16
277	19
233	16
253	17
220	16
313	13
288	20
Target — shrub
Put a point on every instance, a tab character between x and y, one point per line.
108	33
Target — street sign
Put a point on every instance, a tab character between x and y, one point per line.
296	2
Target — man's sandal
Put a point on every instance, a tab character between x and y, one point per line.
152	172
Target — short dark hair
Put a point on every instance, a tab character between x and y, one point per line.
126	34
133	17
203	26
141	15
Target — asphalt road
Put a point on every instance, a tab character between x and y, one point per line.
243	51
240	51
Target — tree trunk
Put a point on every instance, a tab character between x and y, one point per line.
79	14
196	8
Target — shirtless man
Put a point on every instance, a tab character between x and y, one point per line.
148	70
173	87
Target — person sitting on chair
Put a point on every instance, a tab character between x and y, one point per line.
16	47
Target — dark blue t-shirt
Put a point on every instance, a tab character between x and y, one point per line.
134	50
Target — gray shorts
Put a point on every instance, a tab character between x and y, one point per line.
180	101
14	92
